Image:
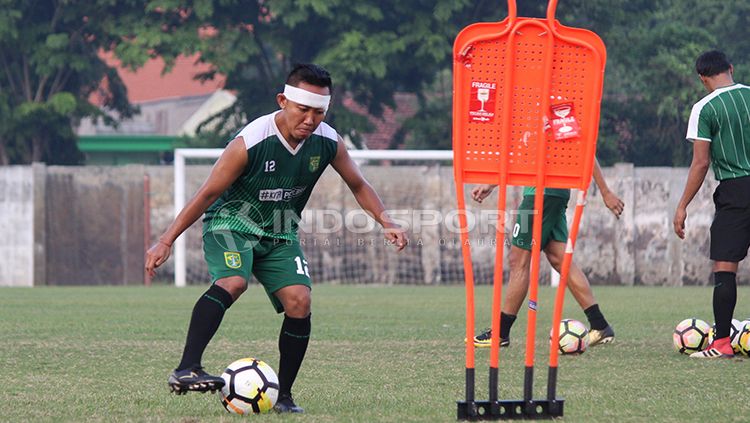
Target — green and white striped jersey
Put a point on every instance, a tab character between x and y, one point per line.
723	118
268	198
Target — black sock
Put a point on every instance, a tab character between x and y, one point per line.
293	340
725	298
596	318
506	322
206	318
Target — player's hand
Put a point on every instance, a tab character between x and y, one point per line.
481	192
679	222
156	256
396	235
613	203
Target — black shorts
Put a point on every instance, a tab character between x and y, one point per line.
730	230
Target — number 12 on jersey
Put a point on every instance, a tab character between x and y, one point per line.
301	266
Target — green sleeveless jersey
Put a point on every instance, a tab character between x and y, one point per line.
723	119
268	198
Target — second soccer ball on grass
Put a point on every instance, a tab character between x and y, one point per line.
734	334
574	337
691	335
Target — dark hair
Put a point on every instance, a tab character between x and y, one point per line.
711	63
311	74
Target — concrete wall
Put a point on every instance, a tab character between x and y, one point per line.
638	249
17	226
71	225
94	223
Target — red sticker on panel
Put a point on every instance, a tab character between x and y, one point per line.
564	123
482	103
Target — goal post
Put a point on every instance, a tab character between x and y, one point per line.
181	155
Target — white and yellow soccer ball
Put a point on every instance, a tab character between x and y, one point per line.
574	337
250	387
743	339
691	335
734	333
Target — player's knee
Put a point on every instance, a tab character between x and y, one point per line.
555	262
518	261
298	305
235	286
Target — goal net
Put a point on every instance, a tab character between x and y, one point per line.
343	245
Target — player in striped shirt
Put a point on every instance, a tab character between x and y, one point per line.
719	128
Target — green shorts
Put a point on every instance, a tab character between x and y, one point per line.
276	263
554	222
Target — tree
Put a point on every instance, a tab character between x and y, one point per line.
50	62
372	49
650	83
50	65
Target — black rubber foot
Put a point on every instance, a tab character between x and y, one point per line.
510	409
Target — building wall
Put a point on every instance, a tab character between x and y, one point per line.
157	117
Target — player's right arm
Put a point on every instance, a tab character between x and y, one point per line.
611	200
227	169
696	176
481	192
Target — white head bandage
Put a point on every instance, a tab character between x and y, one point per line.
304	97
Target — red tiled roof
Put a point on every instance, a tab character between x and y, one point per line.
147	83
389	124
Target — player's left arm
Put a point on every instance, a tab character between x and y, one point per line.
366	196
611	200
696	176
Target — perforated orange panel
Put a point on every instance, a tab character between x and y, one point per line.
483	139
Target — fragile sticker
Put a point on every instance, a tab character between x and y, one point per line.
482	102
564	124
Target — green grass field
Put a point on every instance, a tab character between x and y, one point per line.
392	354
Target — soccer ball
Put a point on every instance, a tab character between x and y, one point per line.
574	337
250	386
691	335
743	339
734	334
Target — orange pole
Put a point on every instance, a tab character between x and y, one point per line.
541	146
564	272
497	286
560	296
501	204
468	276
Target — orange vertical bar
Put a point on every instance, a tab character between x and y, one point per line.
468	275
501	197
541	146
564	272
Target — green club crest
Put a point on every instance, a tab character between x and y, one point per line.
314	163
232	260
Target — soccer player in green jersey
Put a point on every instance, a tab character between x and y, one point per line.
252	201
554	238
719	129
